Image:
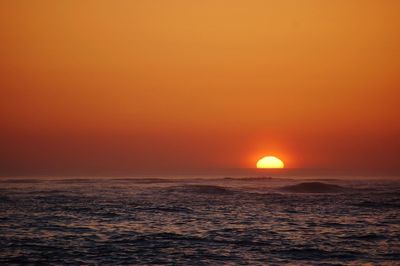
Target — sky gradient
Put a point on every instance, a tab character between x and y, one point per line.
103	87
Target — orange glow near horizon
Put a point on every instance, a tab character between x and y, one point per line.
97	86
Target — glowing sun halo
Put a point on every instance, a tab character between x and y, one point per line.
270	162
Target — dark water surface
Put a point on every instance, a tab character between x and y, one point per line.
201	221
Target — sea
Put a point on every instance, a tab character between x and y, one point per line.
223	220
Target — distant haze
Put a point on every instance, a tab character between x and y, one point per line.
119	87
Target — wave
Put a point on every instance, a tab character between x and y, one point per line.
20	181
307	253
168	236
145	180
75	180
164	209
366	237
201	189
313	187
378	204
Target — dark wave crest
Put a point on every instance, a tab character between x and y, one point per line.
201	189
313	187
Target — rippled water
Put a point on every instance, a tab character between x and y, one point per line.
198	221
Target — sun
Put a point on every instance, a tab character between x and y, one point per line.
270	162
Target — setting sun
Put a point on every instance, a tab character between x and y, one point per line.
270	162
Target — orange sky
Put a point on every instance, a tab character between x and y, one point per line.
102	86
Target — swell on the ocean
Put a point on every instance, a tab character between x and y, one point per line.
211	221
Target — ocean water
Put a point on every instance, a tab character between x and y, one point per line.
201	221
